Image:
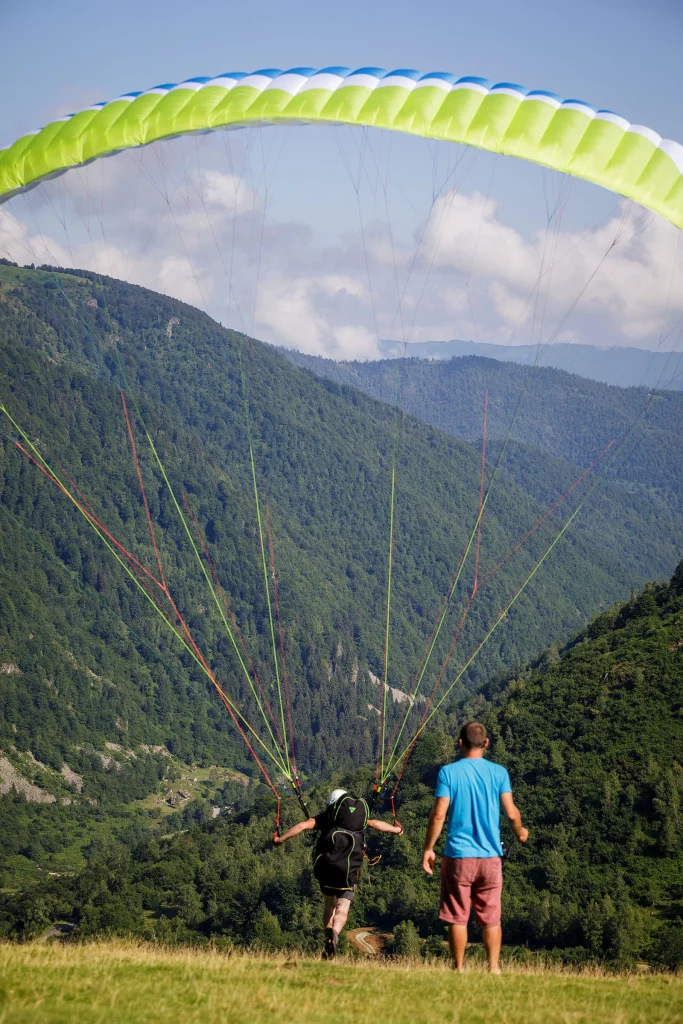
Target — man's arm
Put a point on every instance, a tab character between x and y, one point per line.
434	826
515	817
294	831
384	826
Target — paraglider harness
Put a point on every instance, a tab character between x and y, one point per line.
298	793
341	846
380	796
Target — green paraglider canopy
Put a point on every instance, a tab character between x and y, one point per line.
566	135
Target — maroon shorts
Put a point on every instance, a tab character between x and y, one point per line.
467	880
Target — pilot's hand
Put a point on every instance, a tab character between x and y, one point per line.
428	862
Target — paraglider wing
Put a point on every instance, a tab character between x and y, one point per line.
565	135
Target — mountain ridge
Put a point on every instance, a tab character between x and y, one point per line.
622	365
325	454
560	414
591	735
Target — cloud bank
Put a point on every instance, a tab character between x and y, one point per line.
208	235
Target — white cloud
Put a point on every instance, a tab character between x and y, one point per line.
172	275
625	270
285	309
178	277
355	342
512	309
455	299
288	310
337	284
20	245
164	218
226	190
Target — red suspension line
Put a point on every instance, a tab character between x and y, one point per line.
200	657
92	518
230	612
285	678
488	576
186	629
88	511
80	494
143	492
257	420
481	495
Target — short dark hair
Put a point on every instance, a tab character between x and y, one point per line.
473	734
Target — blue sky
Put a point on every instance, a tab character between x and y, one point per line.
624	56
57	57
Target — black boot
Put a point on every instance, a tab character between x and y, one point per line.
330	950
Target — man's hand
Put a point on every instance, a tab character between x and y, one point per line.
515	817
434	826
278	840
428	862
384	826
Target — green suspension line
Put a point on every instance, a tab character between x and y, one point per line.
395	761
264	562
209	583
135	580
202	566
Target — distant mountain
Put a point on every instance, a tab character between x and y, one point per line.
562	415
591	735
625	366
75	676
94	691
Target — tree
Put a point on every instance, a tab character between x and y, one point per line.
406	941
667	947
267	934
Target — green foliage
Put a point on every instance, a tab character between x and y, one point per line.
591	732
96	664
594	746
406	941
563	416
667	948
267	933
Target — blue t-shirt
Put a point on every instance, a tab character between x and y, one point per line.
474	787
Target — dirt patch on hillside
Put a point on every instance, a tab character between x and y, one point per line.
10	779
370	941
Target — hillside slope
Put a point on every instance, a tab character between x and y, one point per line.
625	366
324	455
562	415
126	983
593	740
593	737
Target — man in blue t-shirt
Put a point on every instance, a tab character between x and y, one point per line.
470	792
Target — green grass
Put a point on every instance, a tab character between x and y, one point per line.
198	783
126	984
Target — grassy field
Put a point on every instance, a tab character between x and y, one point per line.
118	983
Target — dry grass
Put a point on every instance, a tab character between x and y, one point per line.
123	983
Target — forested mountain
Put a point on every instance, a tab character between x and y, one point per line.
563	415
84	660
592	736
622	365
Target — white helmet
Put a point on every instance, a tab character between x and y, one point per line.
334	796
